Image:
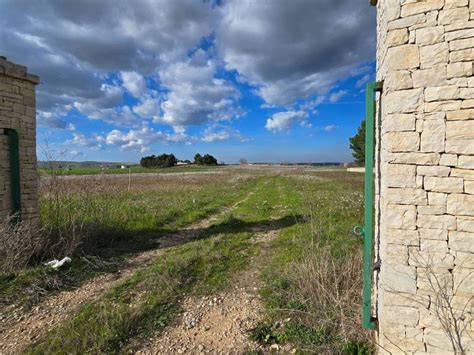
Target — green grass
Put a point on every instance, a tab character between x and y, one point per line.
96	170
314	215
114	225
149	299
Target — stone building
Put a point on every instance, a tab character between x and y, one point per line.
423	294
18	177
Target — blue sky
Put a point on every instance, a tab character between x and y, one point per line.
266	81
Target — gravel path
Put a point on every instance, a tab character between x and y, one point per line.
220	323
20	328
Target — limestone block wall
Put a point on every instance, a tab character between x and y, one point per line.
425	177
17	111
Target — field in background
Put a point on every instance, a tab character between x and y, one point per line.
311	279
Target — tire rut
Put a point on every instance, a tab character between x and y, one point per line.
20	328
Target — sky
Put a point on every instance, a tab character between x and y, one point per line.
266	80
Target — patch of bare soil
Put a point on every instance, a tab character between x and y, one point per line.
220	323
20	328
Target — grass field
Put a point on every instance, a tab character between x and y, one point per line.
309	273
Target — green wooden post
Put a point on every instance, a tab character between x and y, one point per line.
368	230
15	186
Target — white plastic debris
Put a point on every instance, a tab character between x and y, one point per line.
55	264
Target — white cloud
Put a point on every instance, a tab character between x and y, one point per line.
336	96
195	95
330	128
81	140
148	107
141	139
221	133
272	44
282	121
362	81
135	83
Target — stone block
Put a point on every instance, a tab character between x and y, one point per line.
464	280
430	77
469	187
400	278
467	93
459	26
403	57
419	259
433	55
461	44
400	217
405	101
400	175
465	224
460	34
429	35
466	174
460	146
406	196
413	158
460	115
461	241
398	80
433	136
464	55
448	160
434	245
467	104
460	130
450	4
395	254
444	184
414	8
401	141
437	198
441	93
465	260
406	21
397	37
437	222
402	236
433	234
460	205
439	171
449	16
399	122
436	106
466	161
431	210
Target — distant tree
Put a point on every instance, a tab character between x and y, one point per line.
357	144
243	161
207	159
160	161
198	159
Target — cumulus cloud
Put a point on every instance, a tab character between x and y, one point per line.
81	140
195	95
133	82
73	45
294	49
221	133
282	121
142	138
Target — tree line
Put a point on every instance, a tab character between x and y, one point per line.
169	160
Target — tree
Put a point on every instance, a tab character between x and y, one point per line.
207	159
243	161
357	144
161	161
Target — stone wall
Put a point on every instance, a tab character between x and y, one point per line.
425	176
17	111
